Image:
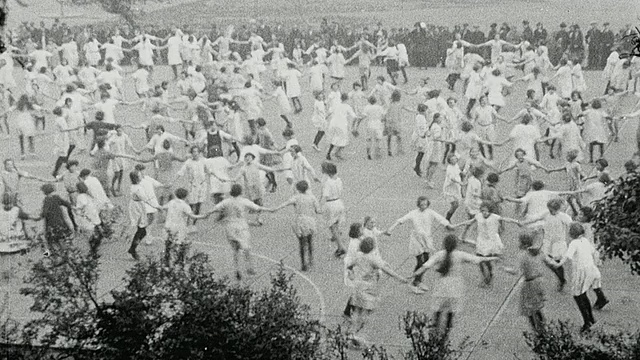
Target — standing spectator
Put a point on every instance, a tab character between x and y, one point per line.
594	42
527	33
539	34
576	43
606	42
476	37
561	43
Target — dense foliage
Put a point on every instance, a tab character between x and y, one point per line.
176	312
617	224
560	340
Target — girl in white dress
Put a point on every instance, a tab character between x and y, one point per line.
92	51
595	128
577	78
195	171
585	274
319	119
452	186
495	85
341	116
292	84
419	137
332	199
435	145
488	242
564	78
449	288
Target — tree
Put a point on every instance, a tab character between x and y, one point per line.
616	225
167	312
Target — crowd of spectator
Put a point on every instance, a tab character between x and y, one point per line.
425	43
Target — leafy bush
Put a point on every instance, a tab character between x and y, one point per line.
616	222
164	312
560	340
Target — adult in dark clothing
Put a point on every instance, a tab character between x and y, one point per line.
493	30
561	44
98	126
476	37
576	43
55	213
594	46
539	34
465	32
527	33
606	43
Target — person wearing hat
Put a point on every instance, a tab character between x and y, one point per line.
606	44
593	39
475	37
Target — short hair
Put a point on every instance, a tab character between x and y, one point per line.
344	97
71	163
329	168
85	172
372	100
493	178
250	154
422	108
82	188
355	85
134	177
296	148
630	166
466	126
605	178
395	96
602	162
576	230
519	150
57	111
302	186
572	154
477	171
355	230
367	245
236	190
100	115
537	185
287	132
261	122
181	193
555	204
450	158
47	188
596	104
421	199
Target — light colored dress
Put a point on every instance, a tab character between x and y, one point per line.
488	242
448	290
595	128
235	220
366	277
452	190
341	115
197	179
332	193
137	212
585	275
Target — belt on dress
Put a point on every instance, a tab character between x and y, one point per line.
329	200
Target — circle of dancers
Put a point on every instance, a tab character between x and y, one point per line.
226	154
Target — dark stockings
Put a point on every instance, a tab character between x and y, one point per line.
318	138
137	237
419	158
306	252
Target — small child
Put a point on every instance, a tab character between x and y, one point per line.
554	245
319	118
370	230
532	296
176	225
355	235
488	243
373	114
357	97
576	176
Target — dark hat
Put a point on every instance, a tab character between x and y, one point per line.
525	22
563	25
494	25
139	167
606	24
84	172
